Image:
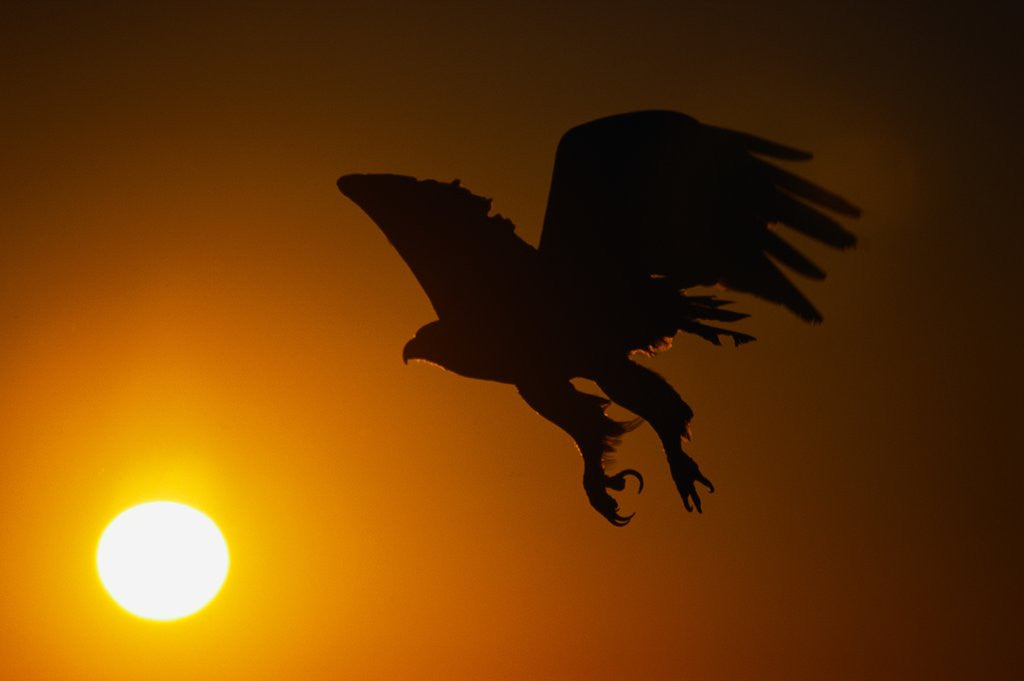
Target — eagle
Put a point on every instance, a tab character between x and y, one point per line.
643	207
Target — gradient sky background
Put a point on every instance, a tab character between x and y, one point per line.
190	310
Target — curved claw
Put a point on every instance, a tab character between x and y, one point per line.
620	520
617	482
605	504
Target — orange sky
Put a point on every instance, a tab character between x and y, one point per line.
190	310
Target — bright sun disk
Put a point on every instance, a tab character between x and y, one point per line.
162	560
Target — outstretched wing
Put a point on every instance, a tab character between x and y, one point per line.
467	261
656	193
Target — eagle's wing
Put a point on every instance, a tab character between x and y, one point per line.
656	193
467	261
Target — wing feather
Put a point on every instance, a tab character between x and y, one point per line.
789	256
469	262
801	217
656	193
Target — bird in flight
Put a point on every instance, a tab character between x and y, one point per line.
642	207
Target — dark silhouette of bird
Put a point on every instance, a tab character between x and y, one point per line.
642	207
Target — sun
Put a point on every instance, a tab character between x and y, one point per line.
162	560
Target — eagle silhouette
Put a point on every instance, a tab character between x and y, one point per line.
642	206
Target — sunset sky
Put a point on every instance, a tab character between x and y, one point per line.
190	310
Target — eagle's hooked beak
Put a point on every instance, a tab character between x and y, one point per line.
420	347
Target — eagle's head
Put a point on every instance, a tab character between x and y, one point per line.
453	348
432	344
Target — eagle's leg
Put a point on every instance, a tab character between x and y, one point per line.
650	397
583	417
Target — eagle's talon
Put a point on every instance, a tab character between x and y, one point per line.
617	482
686	473
596	484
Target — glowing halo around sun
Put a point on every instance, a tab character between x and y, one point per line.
162	560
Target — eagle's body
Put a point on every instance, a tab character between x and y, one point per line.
642	206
